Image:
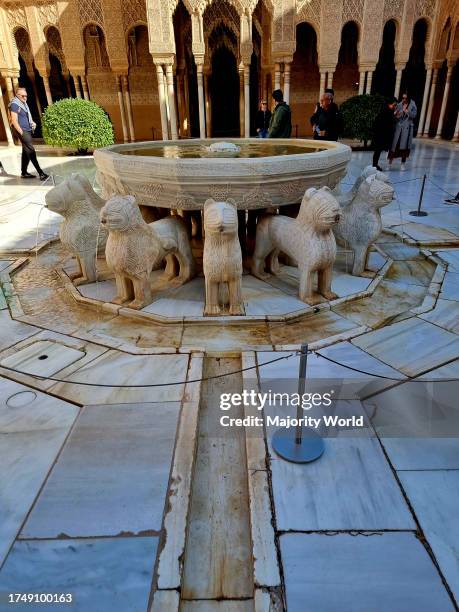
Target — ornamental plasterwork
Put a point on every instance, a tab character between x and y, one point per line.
90	12
47	13
393	8
425	8
221	12
352	10
134	12
15	15
309	10
22	40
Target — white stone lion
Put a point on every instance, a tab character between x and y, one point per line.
360	223
80	231
346	198
222	258
308	240
135	248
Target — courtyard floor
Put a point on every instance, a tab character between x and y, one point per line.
119	486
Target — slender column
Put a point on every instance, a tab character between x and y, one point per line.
9	88
323	76
15	83
208	107
6	124
76	80
456	130
426	129
171	95
241	104
330	79
31	76
180	103
398	80
186	92
287	82
162	101
424	100
369	81
202	110
49	97
277	76
67	85
84	83
119	89
247	101
361	83
128	106
444	102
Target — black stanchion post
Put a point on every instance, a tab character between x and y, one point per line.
302	448
419	212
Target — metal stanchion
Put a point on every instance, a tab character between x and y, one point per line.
306	445
419	212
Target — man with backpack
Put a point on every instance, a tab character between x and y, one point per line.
24	126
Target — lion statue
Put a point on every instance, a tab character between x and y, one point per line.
308	240
80	231
346	198
135	248
222	258
360	223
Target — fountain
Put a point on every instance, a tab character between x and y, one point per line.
254	173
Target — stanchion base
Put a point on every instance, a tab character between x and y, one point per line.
418	213
311	448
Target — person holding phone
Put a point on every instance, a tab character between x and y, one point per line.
405	114
24	126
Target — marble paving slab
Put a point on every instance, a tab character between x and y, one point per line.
350	487
33	427
125	453
217	606
143	334
3	303
411	272
397	250
43	358
13	331
450	287
315	327
388	300
174	307
104	290
103	575
435	500
384	572
222	338
5	263
412	346
421	232
452	257
116	368
445	314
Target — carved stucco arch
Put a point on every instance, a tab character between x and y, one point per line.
359	36
57	51
398	29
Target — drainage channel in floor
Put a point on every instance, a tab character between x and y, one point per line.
218	555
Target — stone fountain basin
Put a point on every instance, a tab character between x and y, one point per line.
252	182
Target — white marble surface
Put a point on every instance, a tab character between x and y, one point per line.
116	368
33	427
450	287
434	496
13	331
412	346
451	256
103	575
112	474
43	358
384	572
445	314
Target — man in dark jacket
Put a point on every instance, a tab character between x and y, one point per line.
327	121
383	131
262	120
280	125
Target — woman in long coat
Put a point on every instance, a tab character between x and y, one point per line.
405	113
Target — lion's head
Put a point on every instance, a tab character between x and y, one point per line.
319	209
220	217
74	188
121	213
375	192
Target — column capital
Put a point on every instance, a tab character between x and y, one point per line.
367	67
164	60
400	65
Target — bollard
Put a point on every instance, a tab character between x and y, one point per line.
299	448
419	212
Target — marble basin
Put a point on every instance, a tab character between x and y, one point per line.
181	175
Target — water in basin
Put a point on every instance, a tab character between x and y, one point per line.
196	151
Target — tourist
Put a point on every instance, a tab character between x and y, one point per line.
405	113
24	126
262	120
327	121
383	131
280	125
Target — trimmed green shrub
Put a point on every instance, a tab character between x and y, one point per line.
359	114
78	123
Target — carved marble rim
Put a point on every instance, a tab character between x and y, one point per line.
335	156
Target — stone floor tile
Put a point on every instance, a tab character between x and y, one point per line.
315	327
13	331
435	500
110	478
384	572
103	575
445	314
450	287
412	346
411	272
